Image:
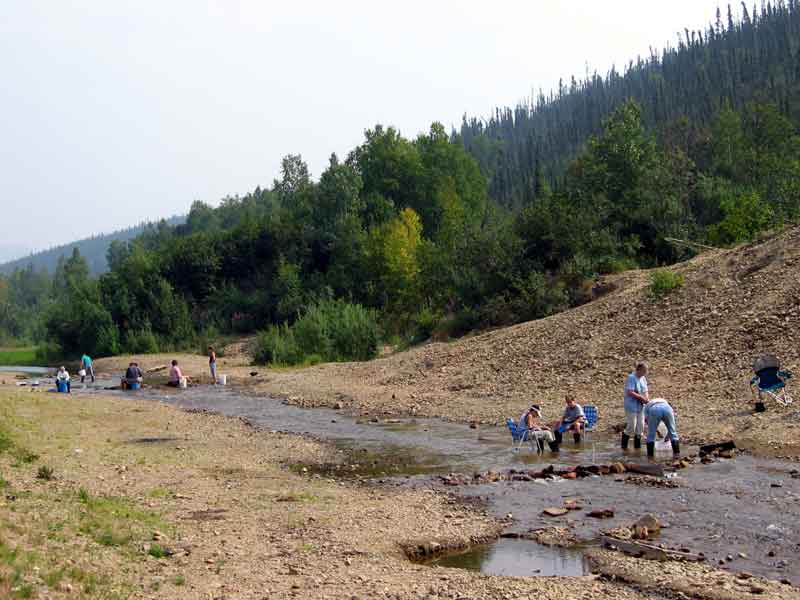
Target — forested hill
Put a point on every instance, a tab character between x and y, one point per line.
730	63
93	249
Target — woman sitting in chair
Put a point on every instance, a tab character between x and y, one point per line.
531	419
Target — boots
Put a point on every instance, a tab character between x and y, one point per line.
637	442
540	444
676	447
576	437
651	449
559	437
553	446
625	439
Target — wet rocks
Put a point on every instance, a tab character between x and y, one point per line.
646	527
555	511
605	513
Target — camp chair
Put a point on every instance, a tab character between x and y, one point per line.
591	414
770	381
521	435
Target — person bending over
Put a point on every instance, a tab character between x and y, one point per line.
573	420
659	411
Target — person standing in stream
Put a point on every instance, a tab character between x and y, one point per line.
212	364
636	396
86	365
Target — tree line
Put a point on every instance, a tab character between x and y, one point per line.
408	239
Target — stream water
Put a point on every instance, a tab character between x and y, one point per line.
744	512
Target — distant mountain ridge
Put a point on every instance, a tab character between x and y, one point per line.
92	248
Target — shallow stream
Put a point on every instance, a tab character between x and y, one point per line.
744	512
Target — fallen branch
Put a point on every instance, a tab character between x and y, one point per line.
649	551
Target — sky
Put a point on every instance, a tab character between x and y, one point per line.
116	112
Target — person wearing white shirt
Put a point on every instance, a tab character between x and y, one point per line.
659	411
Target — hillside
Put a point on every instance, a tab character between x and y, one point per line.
700	343
733	61
93	249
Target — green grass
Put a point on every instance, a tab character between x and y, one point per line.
664	282
18	357
114	521
156	551
8	446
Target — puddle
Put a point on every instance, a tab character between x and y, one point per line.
153	440
518	558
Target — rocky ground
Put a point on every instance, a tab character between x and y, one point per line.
134	499
700	342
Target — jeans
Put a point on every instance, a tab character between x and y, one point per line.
634	423
657	414
213	367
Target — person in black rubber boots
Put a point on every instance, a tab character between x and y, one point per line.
658	410
636	396
572	420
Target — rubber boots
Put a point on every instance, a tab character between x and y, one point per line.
540	444
559	437
625	439
651	449
553	446
576	437
676	447
637	442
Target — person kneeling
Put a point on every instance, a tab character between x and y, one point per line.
572	420
176	375
659	411
537	430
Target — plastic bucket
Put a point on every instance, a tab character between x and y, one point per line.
183	383
134	385
222	380
62	387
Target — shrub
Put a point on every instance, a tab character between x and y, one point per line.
45	473
331	330
142	341
425	322
276	346
664	282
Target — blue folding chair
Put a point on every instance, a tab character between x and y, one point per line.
770	381
591	414
521	435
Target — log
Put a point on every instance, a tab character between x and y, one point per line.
711	448
655	470
649	551
157	369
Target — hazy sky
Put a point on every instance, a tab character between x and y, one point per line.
115	112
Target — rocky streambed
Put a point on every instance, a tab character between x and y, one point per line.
737	512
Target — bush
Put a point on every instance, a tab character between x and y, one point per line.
425	322
140	342
329	331
276	346
46	473
664	282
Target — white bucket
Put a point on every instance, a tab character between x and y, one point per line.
222	380
184	383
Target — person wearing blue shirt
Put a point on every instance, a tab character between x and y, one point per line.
657	411
636	396
572	420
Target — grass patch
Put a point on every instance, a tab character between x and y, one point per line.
159	493
157	551
664	282
114	521
18	453
18	357
179	580
45	473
